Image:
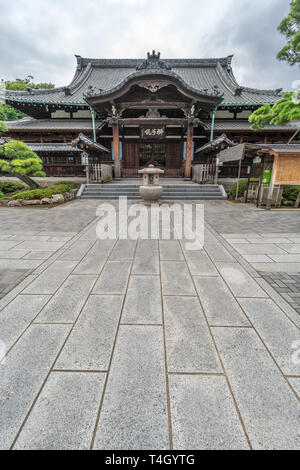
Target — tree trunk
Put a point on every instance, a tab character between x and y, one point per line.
26	179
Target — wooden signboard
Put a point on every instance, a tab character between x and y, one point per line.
287	167
153	132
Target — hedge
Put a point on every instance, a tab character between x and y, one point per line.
242	188
48	192
290	193
7	187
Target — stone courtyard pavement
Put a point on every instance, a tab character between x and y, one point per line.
118	344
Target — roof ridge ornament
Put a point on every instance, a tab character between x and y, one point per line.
153	62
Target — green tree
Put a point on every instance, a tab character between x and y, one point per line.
3	127
285	110
8	113
290	27
17	159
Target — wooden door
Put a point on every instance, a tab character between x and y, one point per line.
174	159
130	155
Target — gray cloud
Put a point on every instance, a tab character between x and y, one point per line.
40	37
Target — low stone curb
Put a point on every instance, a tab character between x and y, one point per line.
55	199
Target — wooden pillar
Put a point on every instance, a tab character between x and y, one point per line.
238	181
189	150
272	184
116	149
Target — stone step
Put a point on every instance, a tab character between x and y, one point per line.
166	188
164	198
171	191
166	193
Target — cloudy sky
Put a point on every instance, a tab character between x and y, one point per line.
41	37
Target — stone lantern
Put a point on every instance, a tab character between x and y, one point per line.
151	190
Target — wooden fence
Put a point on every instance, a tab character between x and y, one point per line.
98	172
204	173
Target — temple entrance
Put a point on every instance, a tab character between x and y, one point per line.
166	155
152	153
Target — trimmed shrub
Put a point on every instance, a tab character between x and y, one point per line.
58	188
242	188
1	195
7	187
107	179
290	193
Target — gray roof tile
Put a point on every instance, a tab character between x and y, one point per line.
232	124
86	125
52	124
65	148
106	74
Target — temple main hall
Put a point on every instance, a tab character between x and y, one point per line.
129	113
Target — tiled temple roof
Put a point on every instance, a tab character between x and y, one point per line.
244	125
210	146
50	147
107	74
31	124
88	143
52	124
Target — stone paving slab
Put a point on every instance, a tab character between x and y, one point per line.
50	280
268	240
258	258
128	335
170	251
267	405
124	250
15	290
146	258
203	414
18	264
77	251
66	304
255	249
143	303
189	344
239	281
114	278
40	245
91	341
219	305
218	253
281	302
7	245
39	255
200	264
176	279
295	382
23	374
65	413
277	267
18	315
95	259
286	258
137	380
15	254
276	330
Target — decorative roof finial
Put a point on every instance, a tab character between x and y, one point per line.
153	62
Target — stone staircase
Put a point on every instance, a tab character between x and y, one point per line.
172	191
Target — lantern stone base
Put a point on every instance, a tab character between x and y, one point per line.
151	193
